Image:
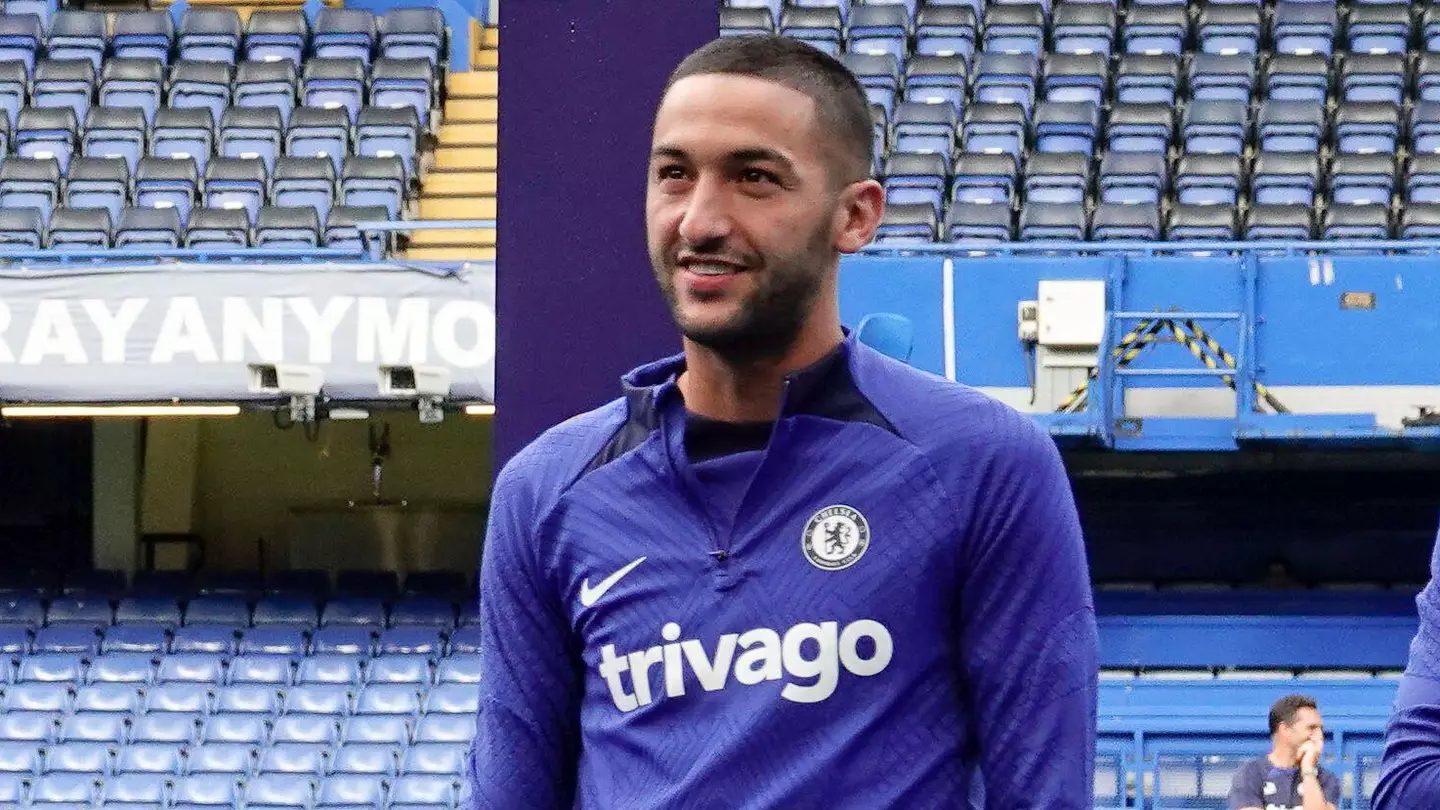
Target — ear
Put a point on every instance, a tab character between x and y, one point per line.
862	204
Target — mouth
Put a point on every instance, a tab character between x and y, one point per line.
709	267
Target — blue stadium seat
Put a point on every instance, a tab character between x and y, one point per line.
20	39
136	668
1366	127
47	134
250	133
353	611
1221	78
103	583
168	185
1228	30
412	33
381	729
1112	222
1204	179
373	181
1419	221
200	86
945	31
304	758
343	640
979	222
277	36
318	133
28	726
1373	78
268	85
150	758
1378	27
261	669
248	698
349	791
1013	29
1362	179
422	792
466	638
215	639
741	22
165	728
1290	126
222	758
184	134
936	80
1006	78
218	610
76	34
1285	179
12	789
148	610
366	758
20	758
915	179
1215	127
462	665
410	641
306	728
17	609
1066	126
137	83
78	757
1147	79
146	638
423	611
289	228
341	233
218	229
1305	28
108	697
83	229
286	611
1133	178
14	641
98	183
453	698
821	28
1201	223
1050	178
244	585
411	669
879	75
404	83
210	790
280	792
1155	30
179	697
71	790
1425	127
245	729
1140	128
189	668
142	34
13	92
210	35
103	727
1082	29
1279	222
240	183
134	791
388	699
51	668
433	758
345	33
879	29
63	85
22	227
38	697
274	640
994	129
925	128
324	698
908	224
329	669
445	728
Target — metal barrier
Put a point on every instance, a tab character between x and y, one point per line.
1277	247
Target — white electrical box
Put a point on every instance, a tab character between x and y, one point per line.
1072	313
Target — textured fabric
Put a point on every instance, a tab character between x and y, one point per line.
1258	783
958	637
1410	766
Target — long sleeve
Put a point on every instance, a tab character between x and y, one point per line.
1410	766
1030	641
527	728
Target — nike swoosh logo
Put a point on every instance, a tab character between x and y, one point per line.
589	595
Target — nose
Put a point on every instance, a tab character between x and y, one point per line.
707	220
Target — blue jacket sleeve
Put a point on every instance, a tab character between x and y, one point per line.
1410	765
527	729
1029	636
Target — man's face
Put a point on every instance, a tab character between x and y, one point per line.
1308	725
742	216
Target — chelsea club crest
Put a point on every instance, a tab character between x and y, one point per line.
835	538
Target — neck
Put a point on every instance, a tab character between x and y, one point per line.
1283	756
716	387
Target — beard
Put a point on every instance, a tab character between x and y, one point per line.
769	318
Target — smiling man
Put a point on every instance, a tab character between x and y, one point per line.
781	570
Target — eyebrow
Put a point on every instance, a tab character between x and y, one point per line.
756	153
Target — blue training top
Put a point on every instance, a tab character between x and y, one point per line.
1410	765
887	593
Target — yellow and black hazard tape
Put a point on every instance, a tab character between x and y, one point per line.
1191	336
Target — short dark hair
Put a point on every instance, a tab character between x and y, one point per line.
1285	709
840	101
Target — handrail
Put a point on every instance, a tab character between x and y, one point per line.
406	225
1283	246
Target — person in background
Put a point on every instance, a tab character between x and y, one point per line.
1290	776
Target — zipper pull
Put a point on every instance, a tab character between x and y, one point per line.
720	555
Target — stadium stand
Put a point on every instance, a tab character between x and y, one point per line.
1176	81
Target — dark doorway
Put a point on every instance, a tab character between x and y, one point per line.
45	497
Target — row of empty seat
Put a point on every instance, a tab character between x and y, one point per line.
276	791
1069	27
90	229
289	610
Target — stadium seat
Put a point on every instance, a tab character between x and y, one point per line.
388	699
433	758
879	29
51	667
261	669
1201	223
341	232
303	758
170	184
818	27
942	30
105	727
248	698
1082	29
343	640
1304	28
307	728
1362	179
412	33
137	83
350	790
936	80
409	641
1372	78
1115	222
1366	127
218	609
287	228
353	611
286	610
215	639
12	789
63	85
373	181
911	179
1066	126
1147	79
266	85
1227	30
23	610
244	585
741	22
237	759
1356	222
153	610
79	757
243	729
280	792
14	91
1285	179
274	640
207	790
210	35
191	667
1056	178
20	758
332	668
1205	179
1013	28
1041	221
115	132
465	640
1290	126
1012	79
166	728
38	697
1140	128
96	183
452	697
142	35
1220	78
77	34
994	129
318	133
1419	221
366	758
423	611
1264	222
153	758
345	33
250	133
62	639
422	791
980	222
20	39
393	730
178	697
47	133
322	698
23	227
445	728
71	790
412	669
276	36
1155	30
1131	178
1214	127
125	637
133	791
925	128
1378	27
238	183
86	610
201	86
184	133
136	668
108	697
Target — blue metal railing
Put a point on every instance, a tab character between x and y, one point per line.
1284	247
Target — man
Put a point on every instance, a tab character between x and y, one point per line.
1410	765
1290	776
783	570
